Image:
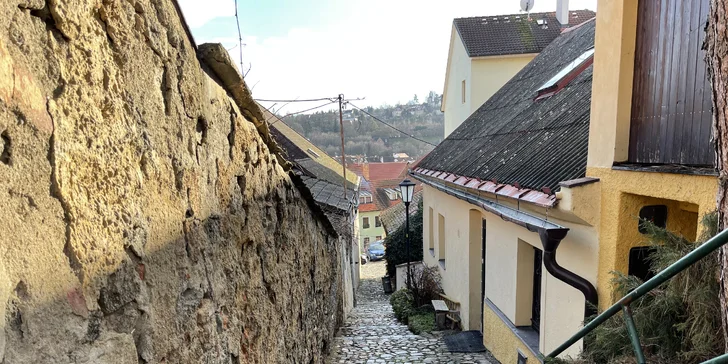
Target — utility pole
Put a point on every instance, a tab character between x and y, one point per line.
341	126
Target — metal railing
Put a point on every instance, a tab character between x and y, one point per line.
623	304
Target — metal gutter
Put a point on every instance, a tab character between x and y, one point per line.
551	235
530	222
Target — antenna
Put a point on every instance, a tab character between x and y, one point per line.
527	5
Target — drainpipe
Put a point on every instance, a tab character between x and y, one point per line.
551	238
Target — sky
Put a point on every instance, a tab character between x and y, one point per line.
384	51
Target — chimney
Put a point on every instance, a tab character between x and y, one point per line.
365	170
562	13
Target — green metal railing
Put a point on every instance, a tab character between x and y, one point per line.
623	305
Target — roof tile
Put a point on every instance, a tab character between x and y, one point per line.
513	139
514	33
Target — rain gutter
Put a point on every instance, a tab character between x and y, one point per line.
551	235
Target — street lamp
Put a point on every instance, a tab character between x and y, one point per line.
407	188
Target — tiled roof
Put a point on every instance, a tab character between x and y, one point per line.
368	207
513	34
393	217
321	174
327	193
515	140
305	153
381	171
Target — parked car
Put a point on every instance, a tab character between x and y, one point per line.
376	251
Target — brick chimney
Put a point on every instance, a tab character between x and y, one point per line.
562	13
365	170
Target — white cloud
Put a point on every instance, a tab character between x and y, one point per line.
199	12
383	50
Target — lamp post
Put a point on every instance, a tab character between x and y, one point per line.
407	188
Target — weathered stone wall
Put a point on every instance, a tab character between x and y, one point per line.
142	216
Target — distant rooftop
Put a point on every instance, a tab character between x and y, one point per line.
513	34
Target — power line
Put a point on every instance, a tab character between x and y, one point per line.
302	111
332	99
391	126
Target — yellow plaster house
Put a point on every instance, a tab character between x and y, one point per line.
486	51
492	218
649	142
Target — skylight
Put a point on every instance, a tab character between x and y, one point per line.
576	65
310	151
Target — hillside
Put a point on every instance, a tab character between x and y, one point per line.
368	137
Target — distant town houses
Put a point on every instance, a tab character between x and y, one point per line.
379	190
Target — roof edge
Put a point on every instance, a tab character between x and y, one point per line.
538	198
518	217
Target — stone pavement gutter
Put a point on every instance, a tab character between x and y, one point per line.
371	334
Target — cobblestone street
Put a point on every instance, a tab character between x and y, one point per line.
372	334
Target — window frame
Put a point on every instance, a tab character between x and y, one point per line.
462	91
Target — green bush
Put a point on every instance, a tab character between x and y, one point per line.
402	303
397	246
679	321
421	321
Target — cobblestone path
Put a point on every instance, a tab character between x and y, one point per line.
371	334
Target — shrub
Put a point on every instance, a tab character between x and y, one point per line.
678	321
425	284
421	321
396	243
403	304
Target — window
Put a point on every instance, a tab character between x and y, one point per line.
462	91
377	222
379	238
392	193
568	73
365	197
441	238
365	222
366	241
639	264
656	214
313	153
430	235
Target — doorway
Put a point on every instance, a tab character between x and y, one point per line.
536	302
482	276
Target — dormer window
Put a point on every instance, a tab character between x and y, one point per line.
392	194
568	73
365	197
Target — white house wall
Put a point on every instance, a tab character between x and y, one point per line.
562	306
458	69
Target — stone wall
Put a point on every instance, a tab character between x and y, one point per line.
143	217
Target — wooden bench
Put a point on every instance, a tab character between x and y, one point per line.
447	309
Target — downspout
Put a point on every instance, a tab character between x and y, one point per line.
551	236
